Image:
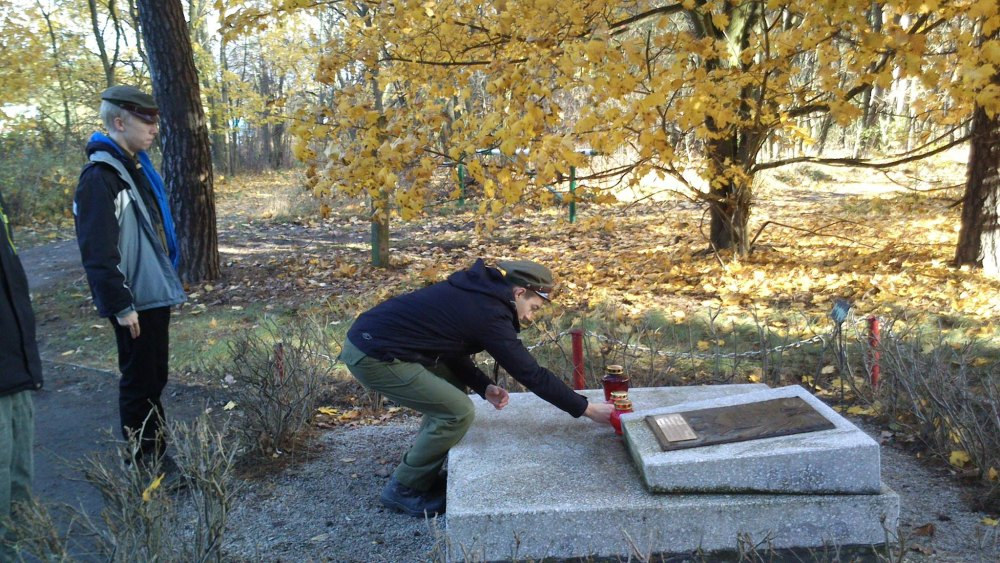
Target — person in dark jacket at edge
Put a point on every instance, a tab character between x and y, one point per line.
20	372
416	350
129	251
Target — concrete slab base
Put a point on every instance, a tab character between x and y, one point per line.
531	482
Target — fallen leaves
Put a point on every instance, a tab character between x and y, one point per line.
871	410
959	458
147	493
331	417
927	530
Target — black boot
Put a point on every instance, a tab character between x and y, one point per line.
441	482
412	502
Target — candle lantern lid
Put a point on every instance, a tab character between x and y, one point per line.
623	405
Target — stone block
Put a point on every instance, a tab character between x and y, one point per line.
842	460
531	482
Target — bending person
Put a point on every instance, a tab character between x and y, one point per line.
416	350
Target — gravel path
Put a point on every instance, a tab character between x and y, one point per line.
327	509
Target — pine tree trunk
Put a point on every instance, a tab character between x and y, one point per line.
187	155
979	236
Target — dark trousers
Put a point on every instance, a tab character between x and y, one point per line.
143	363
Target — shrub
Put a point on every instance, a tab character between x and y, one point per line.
277	375
143	521
936	392
38	184
146	522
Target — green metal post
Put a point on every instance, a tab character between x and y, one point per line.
461	184
572	192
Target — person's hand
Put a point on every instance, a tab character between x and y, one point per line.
599	412
131	320
497	396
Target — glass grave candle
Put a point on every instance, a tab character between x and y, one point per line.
622	406
614	380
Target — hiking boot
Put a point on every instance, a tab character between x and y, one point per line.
441	482
412	502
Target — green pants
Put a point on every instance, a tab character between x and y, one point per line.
435	392
17	431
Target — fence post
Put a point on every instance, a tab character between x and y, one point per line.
461	184
578	373
874	340
572	194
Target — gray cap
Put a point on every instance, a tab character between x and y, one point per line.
529	275
134	100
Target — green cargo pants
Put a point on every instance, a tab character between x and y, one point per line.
435	392
17	431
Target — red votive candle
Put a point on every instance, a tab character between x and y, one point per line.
622	406
614	380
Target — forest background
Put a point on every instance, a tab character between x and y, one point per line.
727	191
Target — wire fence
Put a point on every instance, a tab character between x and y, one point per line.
657	361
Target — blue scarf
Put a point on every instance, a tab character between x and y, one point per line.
159	190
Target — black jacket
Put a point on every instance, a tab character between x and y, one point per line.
449	321
20	366
119	228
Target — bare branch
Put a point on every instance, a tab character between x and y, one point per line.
860	162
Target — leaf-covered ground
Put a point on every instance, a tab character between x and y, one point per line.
882	241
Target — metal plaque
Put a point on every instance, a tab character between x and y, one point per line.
673	427
739	423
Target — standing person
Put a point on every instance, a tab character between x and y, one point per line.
20	372
415	349
129	251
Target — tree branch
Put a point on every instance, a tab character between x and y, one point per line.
859	162
814	232
662	10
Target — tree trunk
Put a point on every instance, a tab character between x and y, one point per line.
63	90
197	23
133	12
729	202
187	155
229	141
736	147
869	134
380	203
278	128
102	51
277	145
979	236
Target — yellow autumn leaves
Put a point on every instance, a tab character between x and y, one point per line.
439	81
